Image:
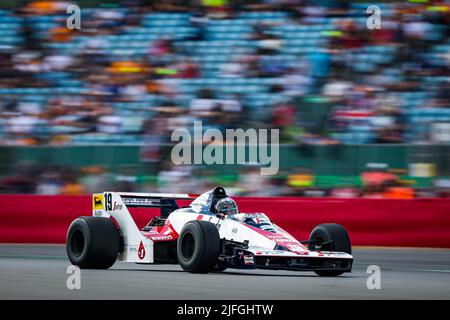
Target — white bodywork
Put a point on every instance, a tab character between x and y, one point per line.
132	236
112	205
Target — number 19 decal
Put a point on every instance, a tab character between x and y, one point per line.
108	201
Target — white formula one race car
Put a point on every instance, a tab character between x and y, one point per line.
209	235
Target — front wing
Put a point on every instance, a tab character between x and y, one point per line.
251	258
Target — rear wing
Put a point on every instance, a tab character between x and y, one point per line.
165	201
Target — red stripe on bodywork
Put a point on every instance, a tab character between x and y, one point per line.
281	238
163	234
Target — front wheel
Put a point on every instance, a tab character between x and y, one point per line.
330	237
198	246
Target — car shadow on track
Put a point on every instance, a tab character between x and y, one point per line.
236	273
299	275
147	270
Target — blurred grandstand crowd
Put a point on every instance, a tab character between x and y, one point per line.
137	70
62	180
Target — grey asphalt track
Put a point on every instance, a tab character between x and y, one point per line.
39	272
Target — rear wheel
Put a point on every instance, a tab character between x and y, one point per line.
93	242
330	237
198	246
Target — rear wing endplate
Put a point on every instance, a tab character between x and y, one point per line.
165	201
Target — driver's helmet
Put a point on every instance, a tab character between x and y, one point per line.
226	206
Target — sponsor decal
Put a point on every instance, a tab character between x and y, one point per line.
248	260
138	201
295	247
141	251
267	227
98	213
108	201
162	238
278	238
117	206
306	253
97	201
260	220
333	254
273	252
